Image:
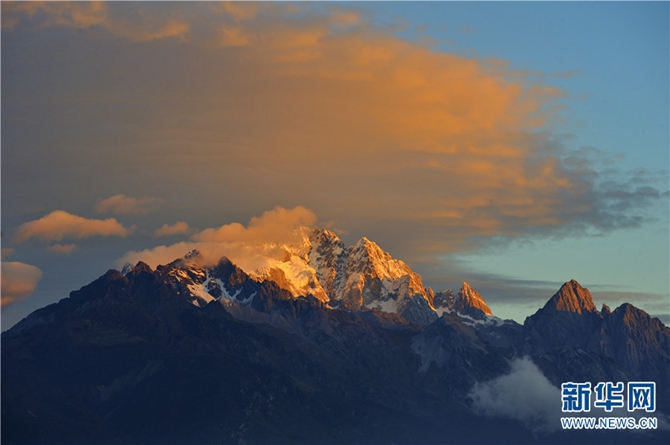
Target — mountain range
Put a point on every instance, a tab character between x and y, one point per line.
327	344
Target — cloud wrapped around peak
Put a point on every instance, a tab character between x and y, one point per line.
251	247
60	224
277	226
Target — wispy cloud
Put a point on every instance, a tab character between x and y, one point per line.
18	281
59	224
238	11
62	248
126	205
84	15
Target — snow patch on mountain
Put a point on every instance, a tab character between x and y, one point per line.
294	274
362	276
201	297
488	320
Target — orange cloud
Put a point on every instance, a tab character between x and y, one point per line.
422	148
177	228
239	10
253	246
18	281
83	15
126	205
274	226
234	37
6	252
60	224
397	131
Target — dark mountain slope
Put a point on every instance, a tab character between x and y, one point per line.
127	359
577	343
182	355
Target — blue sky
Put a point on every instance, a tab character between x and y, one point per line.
387	120
618	104
616	49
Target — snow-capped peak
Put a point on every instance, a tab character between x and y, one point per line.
362	277
367	256
467	302
202	285
127	268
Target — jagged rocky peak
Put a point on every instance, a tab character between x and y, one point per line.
572	297
325	248
127	268
324	237
192	254
630	317
140	267
444	301
367	256
605	310
470	298
364	276
188	261
366	251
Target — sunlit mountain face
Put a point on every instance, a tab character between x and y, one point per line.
328	344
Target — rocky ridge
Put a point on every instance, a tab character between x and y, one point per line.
364	276
186	353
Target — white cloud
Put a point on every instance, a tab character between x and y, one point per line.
524	394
